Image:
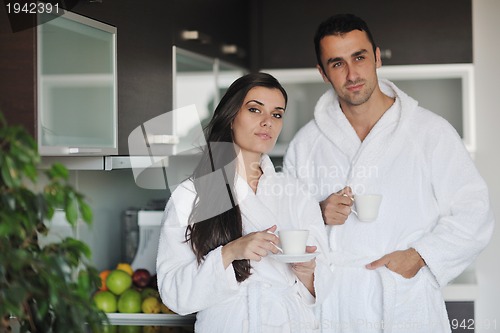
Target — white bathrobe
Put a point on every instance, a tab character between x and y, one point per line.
434	200
272	299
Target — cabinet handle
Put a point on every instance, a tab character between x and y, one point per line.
163	139
386	54
75	150
195	35
232	49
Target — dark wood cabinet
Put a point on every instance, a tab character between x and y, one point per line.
146	34
413	32
17	75
220	23
272	34
144	59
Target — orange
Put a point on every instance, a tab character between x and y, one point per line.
103	275
126	268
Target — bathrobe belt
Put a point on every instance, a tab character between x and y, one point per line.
286	295
388	283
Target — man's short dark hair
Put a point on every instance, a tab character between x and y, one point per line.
339	25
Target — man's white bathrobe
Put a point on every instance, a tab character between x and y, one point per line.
272	299
434	200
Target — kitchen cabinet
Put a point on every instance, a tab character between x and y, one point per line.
146	34
76	86
218	28
408	32
426	83
144	64
59	81
209	78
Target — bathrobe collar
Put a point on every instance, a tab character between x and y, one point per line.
242	187
333	123
261	206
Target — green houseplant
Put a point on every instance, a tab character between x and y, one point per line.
46	289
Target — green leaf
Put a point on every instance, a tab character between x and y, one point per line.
9	172
85	211
39	284
30	172
58	170
71	209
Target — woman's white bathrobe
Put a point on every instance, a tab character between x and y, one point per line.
272	299
434	200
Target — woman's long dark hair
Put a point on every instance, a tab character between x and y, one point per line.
216	218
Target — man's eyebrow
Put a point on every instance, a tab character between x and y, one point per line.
360	52
355	54
332	60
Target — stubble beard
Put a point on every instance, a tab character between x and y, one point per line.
359	97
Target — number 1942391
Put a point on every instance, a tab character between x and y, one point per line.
471	324
31	8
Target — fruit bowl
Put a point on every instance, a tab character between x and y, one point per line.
163	319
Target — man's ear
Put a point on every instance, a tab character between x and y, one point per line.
325	78
378	59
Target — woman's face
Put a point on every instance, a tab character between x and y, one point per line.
259	120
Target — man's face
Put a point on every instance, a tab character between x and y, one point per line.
350	66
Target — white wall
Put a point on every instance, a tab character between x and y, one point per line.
486	29
109	194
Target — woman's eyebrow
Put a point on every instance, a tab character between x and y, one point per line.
255	101
262	104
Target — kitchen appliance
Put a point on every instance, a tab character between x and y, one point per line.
141	234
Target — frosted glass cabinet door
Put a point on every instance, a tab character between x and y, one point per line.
77	99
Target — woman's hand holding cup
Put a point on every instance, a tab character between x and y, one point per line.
252	246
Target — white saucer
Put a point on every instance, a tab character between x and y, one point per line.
291	258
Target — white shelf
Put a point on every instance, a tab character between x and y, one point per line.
145	319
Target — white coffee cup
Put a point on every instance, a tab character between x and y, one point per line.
367	206
293	241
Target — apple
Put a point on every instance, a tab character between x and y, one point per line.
130	301
105	301
151	305
118	281
149	292
141	277
153	283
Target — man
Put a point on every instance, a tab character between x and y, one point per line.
367	136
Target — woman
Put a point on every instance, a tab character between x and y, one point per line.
219	226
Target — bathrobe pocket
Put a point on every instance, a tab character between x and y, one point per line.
419	305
